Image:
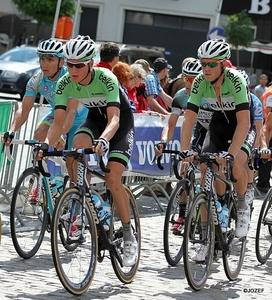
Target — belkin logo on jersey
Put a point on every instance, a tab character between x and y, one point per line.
62	84
235	79
197	82
107	81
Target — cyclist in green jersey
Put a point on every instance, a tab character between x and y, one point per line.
232	130
109	120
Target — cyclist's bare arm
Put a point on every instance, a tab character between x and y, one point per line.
266	132
21	115
71	110
187	129
168	131
259	124
56	128
167	134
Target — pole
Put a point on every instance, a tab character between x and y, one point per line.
56	19
75	18
218	10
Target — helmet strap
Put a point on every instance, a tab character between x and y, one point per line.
58	70
89	71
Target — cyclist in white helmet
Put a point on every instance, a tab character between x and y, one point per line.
44	83
109	120
232	130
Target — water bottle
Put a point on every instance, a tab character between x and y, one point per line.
219	210
59	179
225	213
53	184
104	211
197	189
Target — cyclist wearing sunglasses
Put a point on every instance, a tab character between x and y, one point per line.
226	92
109	120
44	82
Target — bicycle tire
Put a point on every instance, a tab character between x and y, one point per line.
263	243
74	265
28	216
173	241
125	274
233	257
197	272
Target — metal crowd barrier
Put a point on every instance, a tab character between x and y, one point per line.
9	172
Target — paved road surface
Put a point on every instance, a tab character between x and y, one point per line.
36	278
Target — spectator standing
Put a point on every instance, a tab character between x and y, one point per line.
141	89
260	88
109	55
139	74
124	74
153	86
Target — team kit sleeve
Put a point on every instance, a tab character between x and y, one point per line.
238	89
33	85
197	93
110	86
62	92
258	107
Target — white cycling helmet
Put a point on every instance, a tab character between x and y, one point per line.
192	68
52	47
215	49
81	47
246	77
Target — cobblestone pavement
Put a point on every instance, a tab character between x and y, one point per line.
36	278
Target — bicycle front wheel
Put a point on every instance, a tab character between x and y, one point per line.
74	247
124	274
233	257
263	244
198	245
173	239
28	214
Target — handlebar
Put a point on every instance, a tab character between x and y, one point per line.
175	158
202	158
210	157
37	146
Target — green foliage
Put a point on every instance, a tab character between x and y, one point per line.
239	29
44	10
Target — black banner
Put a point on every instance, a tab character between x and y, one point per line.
256	8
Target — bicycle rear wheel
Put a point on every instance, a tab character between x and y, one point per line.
125	274
173	240
28	214
233	257
263	243
74	256
197	272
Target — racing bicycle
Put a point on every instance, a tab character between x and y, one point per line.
75	257
232	247
185	187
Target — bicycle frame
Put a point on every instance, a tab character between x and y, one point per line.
230	196
83	187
